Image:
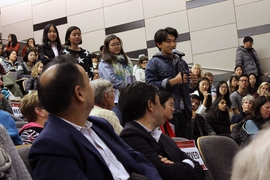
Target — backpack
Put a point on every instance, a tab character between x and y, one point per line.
239	133
5	165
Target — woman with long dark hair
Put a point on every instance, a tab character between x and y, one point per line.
51	44
12	44
218	117
223	91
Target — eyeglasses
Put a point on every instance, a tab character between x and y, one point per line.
145	62
243	80
117	44
223	87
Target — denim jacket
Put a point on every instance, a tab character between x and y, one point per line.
162	68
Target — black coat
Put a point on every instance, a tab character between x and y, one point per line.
139	139
45	50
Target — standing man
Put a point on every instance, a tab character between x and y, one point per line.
237	96
247	57
169	72
73	145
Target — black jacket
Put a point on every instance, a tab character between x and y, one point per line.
139	139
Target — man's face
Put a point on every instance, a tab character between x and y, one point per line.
158	112
248	45
168	45
195	104
243	82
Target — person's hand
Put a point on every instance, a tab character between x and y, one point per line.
178	78
165	160
185	78
193	78
205	94
46	57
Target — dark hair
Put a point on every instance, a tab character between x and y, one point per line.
101	48
69	30
13	40
237	66
56	94
232	89
45	39
195	96
164	96
243	75
9	52
247	39
34	42
142	58
227	95
134	107
25	57
209	99
216	113
255	114
107	55
161	35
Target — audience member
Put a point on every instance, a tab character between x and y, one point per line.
218	117
210	76
32	110
95	60
4	103
10	64
7	121
169	72
36	72
252	87
197	70
73	39
247	57
84	147
247	103
26	67
167	103
223	91
30	44
198	122
204	92
237	96
95	74
140	73
2	55
104	102
252	162
116	67
233	83
238	70
263	90
10	87
51	44
143	113
12	44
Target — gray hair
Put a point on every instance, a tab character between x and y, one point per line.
100	86
248	98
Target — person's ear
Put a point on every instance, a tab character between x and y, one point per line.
78	93
39	112
150	105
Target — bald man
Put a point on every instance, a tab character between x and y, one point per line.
73	145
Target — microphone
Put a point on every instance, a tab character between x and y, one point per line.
179	53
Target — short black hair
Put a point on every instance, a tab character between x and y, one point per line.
56	94
69	30
161	35
247	39
164	96
133	100
195	96
25	57
243	75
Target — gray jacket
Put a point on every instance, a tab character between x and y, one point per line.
249	64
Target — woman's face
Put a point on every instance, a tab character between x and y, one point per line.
247	105
265	110
234	82
264	89
252	80
223	89
168	109
222	106
196	71
52	35
115	46
40	68
31	42
13	56
32	57
238	71
75	37
204	86
143	64
96	74
9	38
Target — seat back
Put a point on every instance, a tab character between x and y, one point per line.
18	170
218	153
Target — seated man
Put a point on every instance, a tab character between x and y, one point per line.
104	102
142	111
73	145
34	112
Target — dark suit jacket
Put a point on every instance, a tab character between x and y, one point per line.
47	51
62	152
139	139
